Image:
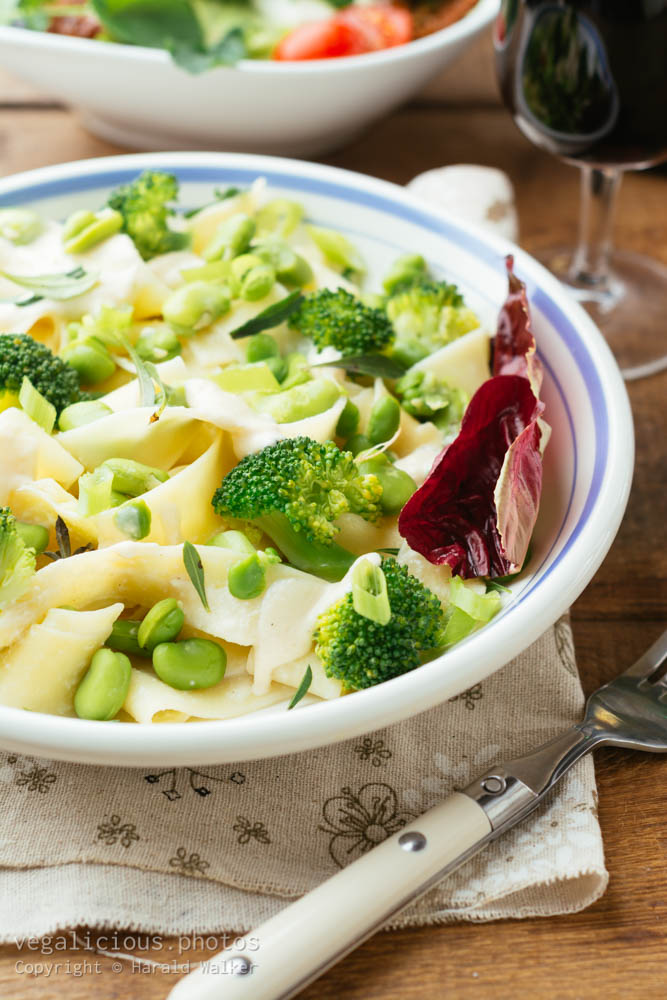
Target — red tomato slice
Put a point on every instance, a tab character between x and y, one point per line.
350	32
384	26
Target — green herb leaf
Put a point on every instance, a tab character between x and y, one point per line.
155	23
196	59
272	316
195	569
367	364
494	585
389	551
64	544
54	286
306	681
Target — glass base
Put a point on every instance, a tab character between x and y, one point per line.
629	307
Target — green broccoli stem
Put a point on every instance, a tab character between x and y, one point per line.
330	562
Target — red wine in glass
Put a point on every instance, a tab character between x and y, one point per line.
586	80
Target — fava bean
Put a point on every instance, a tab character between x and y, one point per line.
195	306
300	401
34	536
397	485
101	693
78	414
357	443
191	664
260	347
384	420
106	223
163	623
348	421
91	359
278	367
257	282
158	344
246	579
133	478
134	520
234	540
124	638
232	237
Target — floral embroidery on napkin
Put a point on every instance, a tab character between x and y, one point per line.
358	822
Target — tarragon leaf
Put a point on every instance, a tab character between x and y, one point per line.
272	316
306	681
195	570
367	364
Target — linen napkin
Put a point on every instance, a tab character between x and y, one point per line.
182	851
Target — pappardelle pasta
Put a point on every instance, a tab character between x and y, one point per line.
232	476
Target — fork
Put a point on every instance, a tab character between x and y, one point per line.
305	939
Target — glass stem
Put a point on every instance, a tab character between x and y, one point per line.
590	263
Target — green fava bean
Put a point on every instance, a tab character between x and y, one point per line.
124	638
278	367
163	623
91	359
384	420
19	225
247	579
300	401
232	238
34	536
101	693
348	421
195	306
77	222
397	485
134	520
106	223
234	540
257	282
357	443
133	478
260	347
191	664
82	413
158	344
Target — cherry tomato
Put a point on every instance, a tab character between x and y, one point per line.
349	32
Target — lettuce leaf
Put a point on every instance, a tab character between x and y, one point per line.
477	509
514	344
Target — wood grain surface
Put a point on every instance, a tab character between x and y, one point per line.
617	949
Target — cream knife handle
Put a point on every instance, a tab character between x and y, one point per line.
307	937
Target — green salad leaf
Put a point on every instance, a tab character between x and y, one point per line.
171	25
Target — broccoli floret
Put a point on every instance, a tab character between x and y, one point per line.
426	315
21	355
339	319
294	491
144	205
360	652
17	561
427	397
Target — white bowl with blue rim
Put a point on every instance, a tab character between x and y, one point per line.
138	98
587	471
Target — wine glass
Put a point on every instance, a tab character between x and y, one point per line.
587	81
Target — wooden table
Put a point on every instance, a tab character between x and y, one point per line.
616	950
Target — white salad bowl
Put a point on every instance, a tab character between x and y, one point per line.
587	472
138	98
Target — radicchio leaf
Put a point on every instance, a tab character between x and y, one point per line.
453	518
477	508
514	344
